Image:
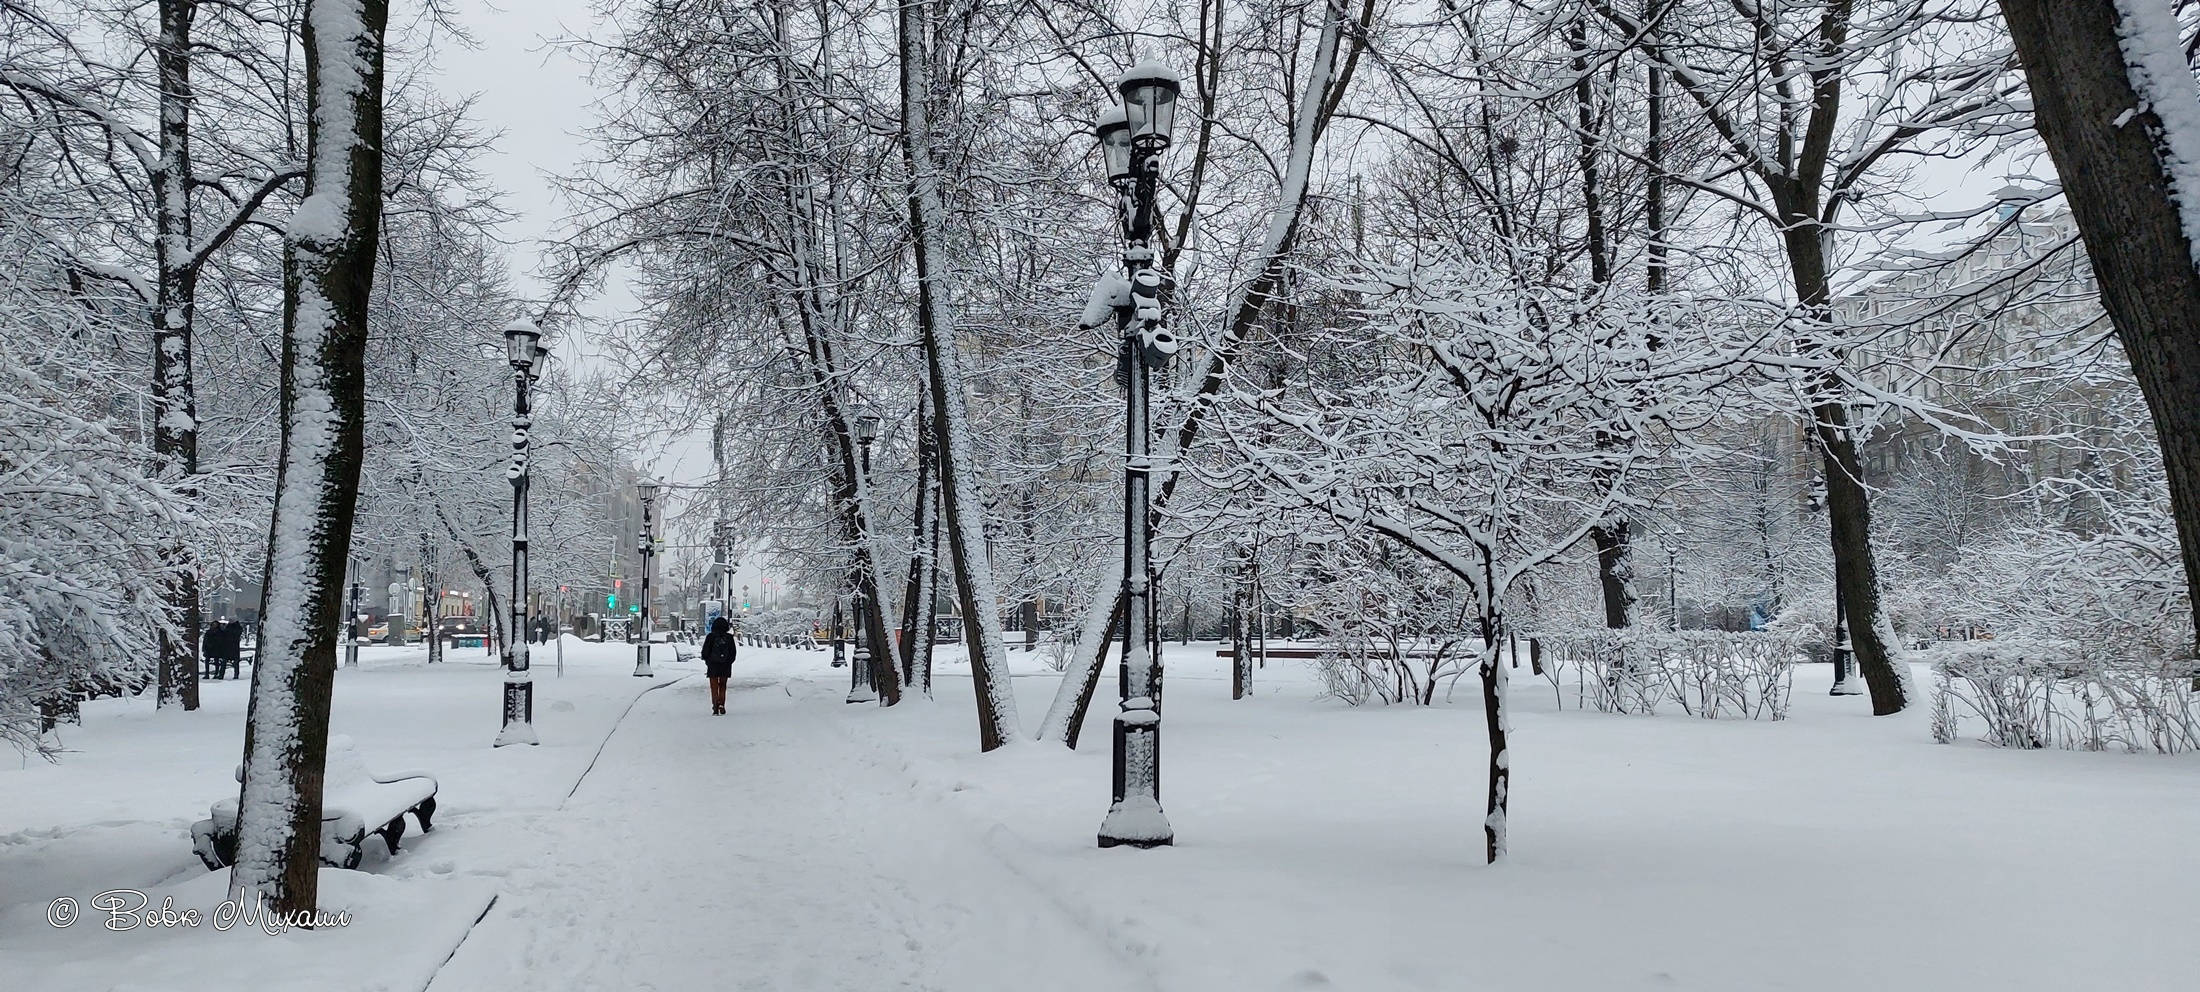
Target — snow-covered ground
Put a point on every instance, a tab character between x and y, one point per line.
802	843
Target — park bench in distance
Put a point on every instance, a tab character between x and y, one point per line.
354	804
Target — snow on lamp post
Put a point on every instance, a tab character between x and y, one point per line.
1132	139
523	349
860	687
648	488
1844	674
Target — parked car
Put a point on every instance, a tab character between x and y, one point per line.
382	630
458	624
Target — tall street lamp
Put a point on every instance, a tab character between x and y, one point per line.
1132	138
648	489
1844	665
523	349
356	633
860	682
1673	585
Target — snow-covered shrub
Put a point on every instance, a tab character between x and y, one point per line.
82	531
1711	674
2056	693
1395	625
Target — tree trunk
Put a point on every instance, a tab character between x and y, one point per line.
328	277
1241	633
1848	502
1498	724
175	408
924	548
2122	184
959	496
1611	538
1101	625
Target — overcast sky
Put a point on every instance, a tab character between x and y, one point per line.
540	99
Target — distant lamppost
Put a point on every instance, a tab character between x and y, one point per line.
648	489
1673	585
1132	138
355	633
523	349
1844	664
860	689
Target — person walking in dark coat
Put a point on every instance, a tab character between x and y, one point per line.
233	646
210	650
718	651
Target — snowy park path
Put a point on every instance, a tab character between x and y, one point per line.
763	850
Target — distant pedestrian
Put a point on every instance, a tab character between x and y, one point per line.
210	651
221	646
718	651
233	648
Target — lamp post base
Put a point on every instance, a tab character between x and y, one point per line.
859	678
1135	818
519	714
1844	669
641	662
1136	823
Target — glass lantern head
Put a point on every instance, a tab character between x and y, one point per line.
522	344
1114	132
1150	91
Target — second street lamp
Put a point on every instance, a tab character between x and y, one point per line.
1673	585
523	349
860	682
1132	139
1844	664
647	545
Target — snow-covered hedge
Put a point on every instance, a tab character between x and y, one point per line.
2053	693
1713	674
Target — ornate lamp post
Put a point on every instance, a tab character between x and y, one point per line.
1844	665
523	348
354	631
1132	139
860	687
648	489
1673	585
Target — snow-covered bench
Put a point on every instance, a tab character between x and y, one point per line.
354	803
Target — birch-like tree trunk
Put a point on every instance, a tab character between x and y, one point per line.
963	505
175	408
328	277
924	548
2120	114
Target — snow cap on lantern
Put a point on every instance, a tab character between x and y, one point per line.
522	343
1149	93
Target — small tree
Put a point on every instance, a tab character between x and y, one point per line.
1488	426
